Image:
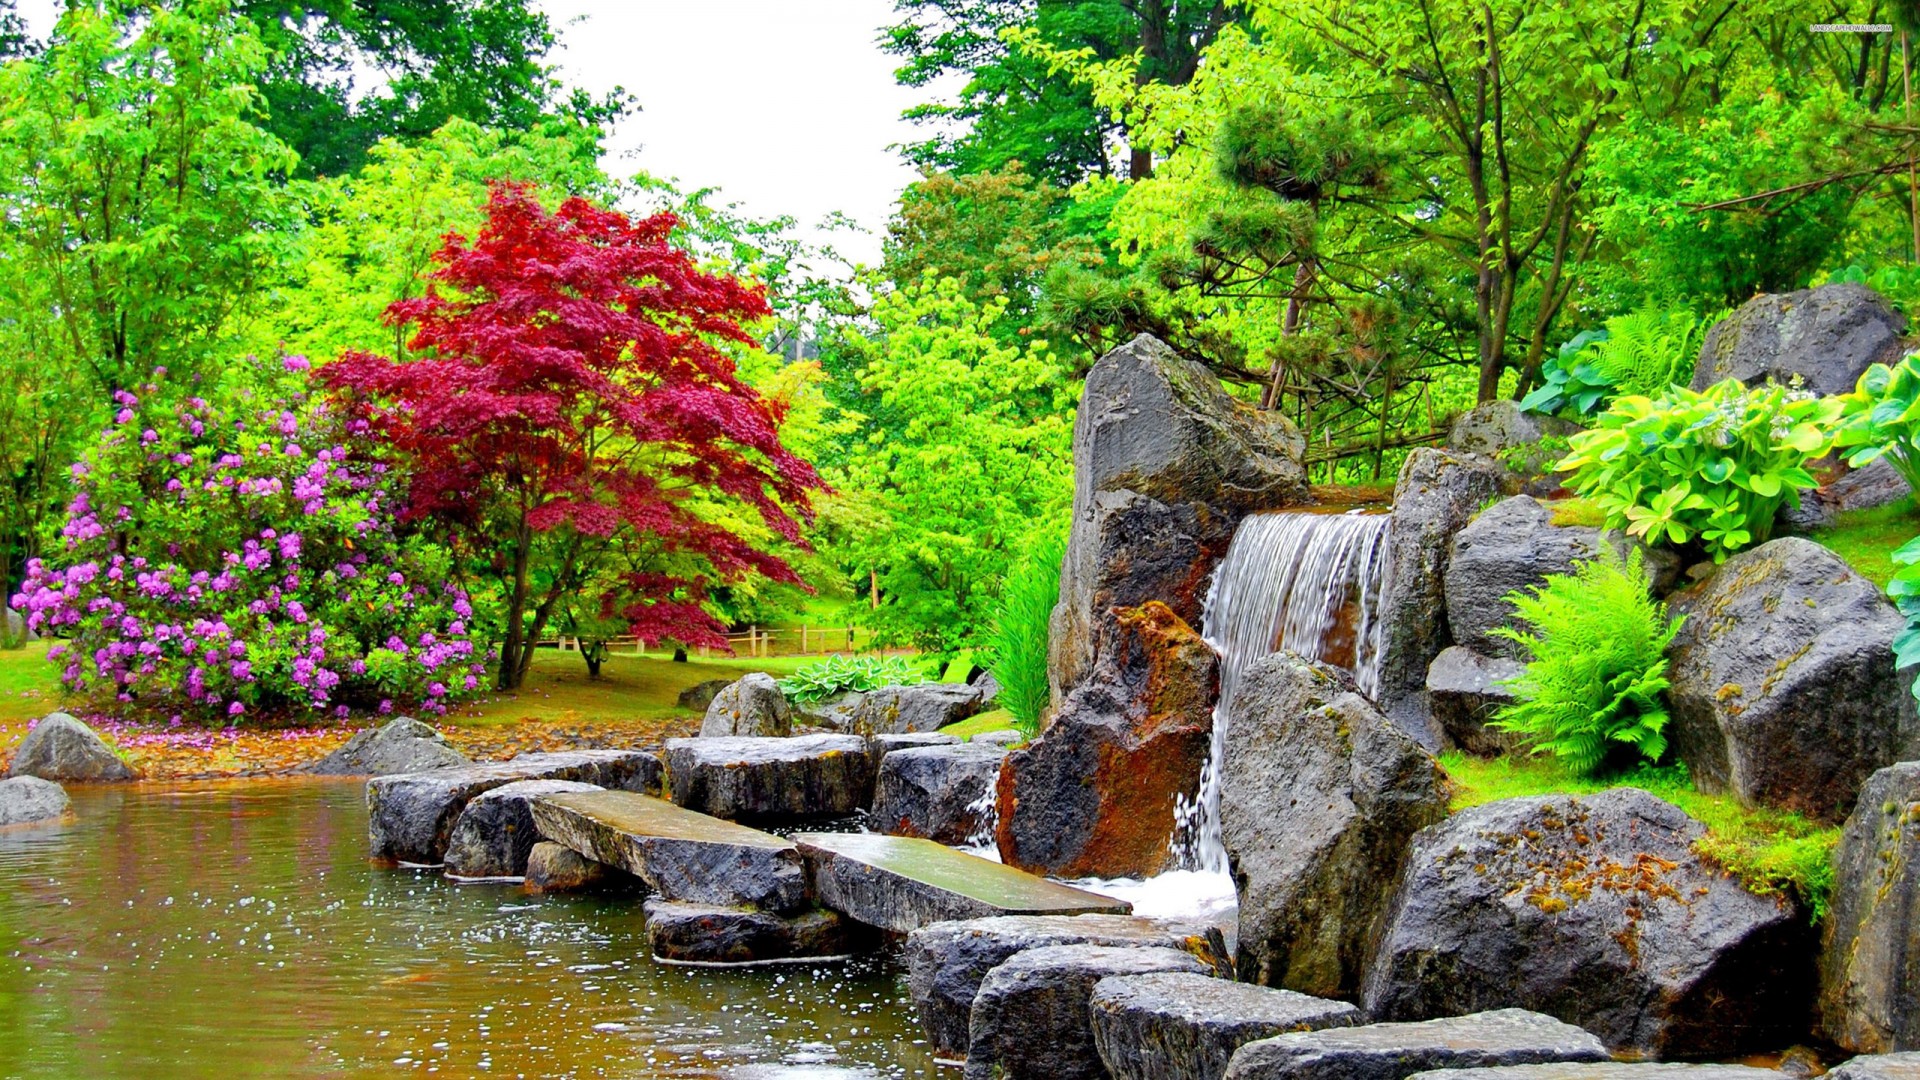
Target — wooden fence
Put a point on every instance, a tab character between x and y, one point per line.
753	641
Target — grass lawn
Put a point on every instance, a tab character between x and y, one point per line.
629	688
1866	539
992	720
1772	852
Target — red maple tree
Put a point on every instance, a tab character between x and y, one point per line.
570	401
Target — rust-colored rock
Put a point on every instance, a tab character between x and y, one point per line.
1094	796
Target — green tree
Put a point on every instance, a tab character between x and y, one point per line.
932	508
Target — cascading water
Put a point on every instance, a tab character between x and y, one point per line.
1309	583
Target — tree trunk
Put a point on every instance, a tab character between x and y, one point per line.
595	654
512	669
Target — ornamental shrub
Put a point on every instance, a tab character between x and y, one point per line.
1712	466
1641	352
1882	417
1021	630
1593	686
847	674
1904	589
237	554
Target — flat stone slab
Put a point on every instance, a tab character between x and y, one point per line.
902	883
1397	1051
1031	1018
680	854
1609	1071
947	962
410	816
724	936
494	835
771	779
1905	1066
1182	1026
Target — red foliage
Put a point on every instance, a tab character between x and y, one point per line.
571	385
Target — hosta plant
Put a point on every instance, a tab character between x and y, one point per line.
847	674
1711	467
1904	590
1881	418
1571	383
1641	352
1596	641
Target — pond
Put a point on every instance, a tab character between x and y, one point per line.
237	929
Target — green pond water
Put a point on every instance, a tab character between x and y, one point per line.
238	930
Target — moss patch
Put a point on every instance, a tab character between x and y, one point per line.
1771	852
1577	512
993	720
1866	539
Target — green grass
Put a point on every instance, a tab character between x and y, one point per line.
994	720
629	687
1771	852
1866	539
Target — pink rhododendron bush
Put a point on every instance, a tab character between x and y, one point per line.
239	554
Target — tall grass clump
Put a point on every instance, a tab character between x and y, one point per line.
1592	690
1020	630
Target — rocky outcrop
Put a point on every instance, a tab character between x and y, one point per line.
1596	910
1095	795
62	749
752	706
1030	1020
946	962
494	833
401	745
410	817
749	779
1826	336
1514	545
1784	691
555	867
937	792
1467	691
1436	495
701	934
1319	798
897	710
29	800
1879	1067
1165	464
1869	998
1185	1026
701	694
1394	1051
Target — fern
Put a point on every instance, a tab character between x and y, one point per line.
1649	349
1592	690
1021	629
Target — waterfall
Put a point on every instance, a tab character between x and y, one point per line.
1309	583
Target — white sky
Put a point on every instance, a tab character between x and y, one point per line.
788	106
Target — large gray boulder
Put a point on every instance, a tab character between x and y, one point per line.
771	779
1097	795
556	868
1784	691
946	962
29	800
1870	948
703	934
401	745
896	710
1185	1026
1828	336
1612	1070
16	633
1879	1067
701	694
1394	1051
942	793
1467	692
1437	493
62	749
1319	798
751	706
494	833
1599	911
1165	465
1030	1020
1500	430
1514	545
410	816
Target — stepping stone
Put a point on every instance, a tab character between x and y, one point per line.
555	867
680	854
940	793
708	935
494	835
947	962
1621	1071
1182	1026
882	745
1031	1019
901	884
410	816
1397	1051
767	779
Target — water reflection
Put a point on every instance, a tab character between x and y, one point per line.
237	930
